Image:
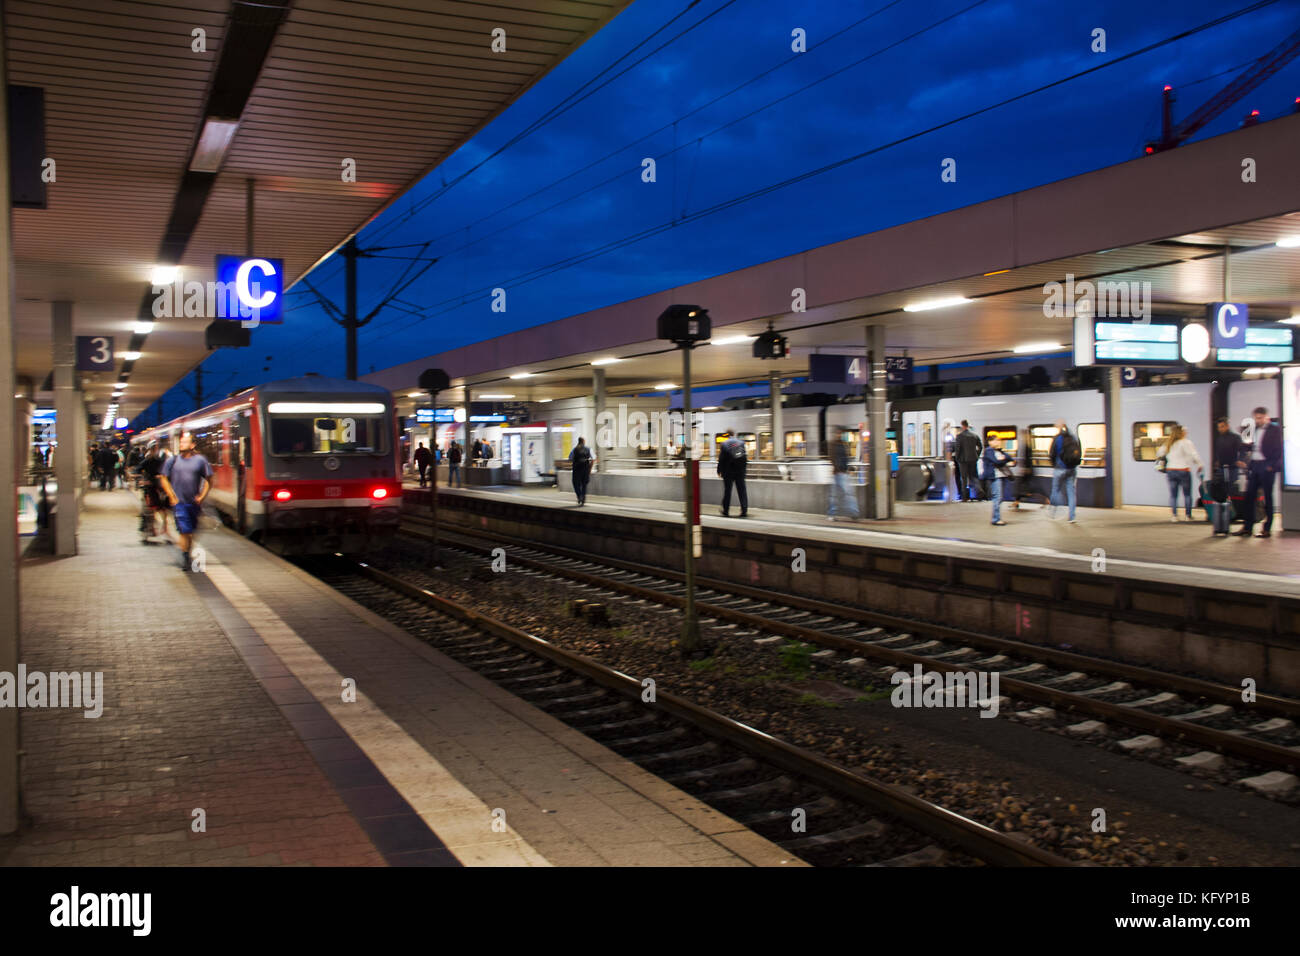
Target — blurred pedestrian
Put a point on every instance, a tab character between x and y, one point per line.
732	464
997	468
454	456
1067	454
1180	457
186	479
581	459
1264	464
422	457
966	449
842	498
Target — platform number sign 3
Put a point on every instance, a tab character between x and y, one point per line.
94	353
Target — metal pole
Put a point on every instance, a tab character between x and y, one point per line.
350	319
248	217
691	625
433	486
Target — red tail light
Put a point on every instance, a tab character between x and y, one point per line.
379	493
284	494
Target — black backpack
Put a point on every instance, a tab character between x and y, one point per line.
1071	453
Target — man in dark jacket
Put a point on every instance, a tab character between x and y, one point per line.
454	455
1264	464
1227	452
581	459
107	462
422	457
966	453
732	463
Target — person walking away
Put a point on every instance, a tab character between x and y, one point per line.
1180	456
1263	465
422	457
1066	456
1227	452
1024	469
155	501
107	463
93	461
580	458
120	468
997	468
842	498
186	478
967	449
454	456
732	464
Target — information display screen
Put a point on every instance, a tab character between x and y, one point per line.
1264	346
1136	342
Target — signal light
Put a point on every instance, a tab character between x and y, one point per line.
379	493
284	494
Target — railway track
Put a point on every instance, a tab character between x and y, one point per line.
1168	709
758	780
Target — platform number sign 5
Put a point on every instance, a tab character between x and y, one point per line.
94	353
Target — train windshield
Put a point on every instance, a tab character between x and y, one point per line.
327	430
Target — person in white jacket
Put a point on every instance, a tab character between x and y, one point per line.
1180	457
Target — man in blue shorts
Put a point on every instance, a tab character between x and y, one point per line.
186	479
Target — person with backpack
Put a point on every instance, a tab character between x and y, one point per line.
1179	455
966	452
732	463
1066	456
842	498
997	468
581	459
422	456
454	455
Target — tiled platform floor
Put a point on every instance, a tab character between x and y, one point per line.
223	693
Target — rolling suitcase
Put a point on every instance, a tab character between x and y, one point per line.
1218	504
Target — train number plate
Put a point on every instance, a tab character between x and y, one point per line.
333	491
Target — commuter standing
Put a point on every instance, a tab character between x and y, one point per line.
186	478
422	457
1024	469
454	456
732	463
107	463
93	460
1227	452
967	450
842	498
1066	456
581	459
1264	464
1180	456
996	469
475	452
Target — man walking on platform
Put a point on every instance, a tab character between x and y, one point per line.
186	479
422	457
732	464
1262	468
581	459
454	456
966	453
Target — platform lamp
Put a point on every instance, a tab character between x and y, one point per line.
433	381
684	326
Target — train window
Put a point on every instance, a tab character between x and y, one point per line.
1041	438
306	434
1092	439
765	449
207	442
1008	433
795	446
751	444
1147	439
850	437
927	439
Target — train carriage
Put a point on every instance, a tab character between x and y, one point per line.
304	465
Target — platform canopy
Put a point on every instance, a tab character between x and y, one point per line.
129	88
1163	220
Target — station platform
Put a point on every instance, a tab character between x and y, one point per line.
1137	542
224	737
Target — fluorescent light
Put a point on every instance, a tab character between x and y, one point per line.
1037	347
213	143
523	375
415	394
732	340
163	275
312	408
1294	320
130	356
936	303
144	328
491	395
119	384
1289	242
543	401
666	387
606	361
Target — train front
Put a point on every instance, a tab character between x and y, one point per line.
328	478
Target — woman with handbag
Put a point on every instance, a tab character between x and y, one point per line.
1177	457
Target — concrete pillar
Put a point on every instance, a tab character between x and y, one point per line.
879	503
778	416
598	404
69	410
9	621
1116	442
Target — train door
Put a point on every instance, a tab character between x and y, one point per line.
243	442
1148	414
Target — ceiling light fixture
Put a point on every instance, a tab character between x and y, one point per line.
1037	347
606	361
215	139
523	375
495	395
130	356
665	387
732	340
163	275
929	304
143	328
1289	242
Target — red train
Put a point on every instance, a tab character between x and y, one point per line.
305	465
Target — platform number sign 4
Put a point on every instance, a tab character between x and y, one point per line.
95	353
856	372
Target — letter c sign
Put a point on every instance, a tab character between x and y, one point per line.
1228	322
257	283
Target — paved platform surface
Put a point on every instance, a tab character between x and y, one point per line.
223	702
1139	543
